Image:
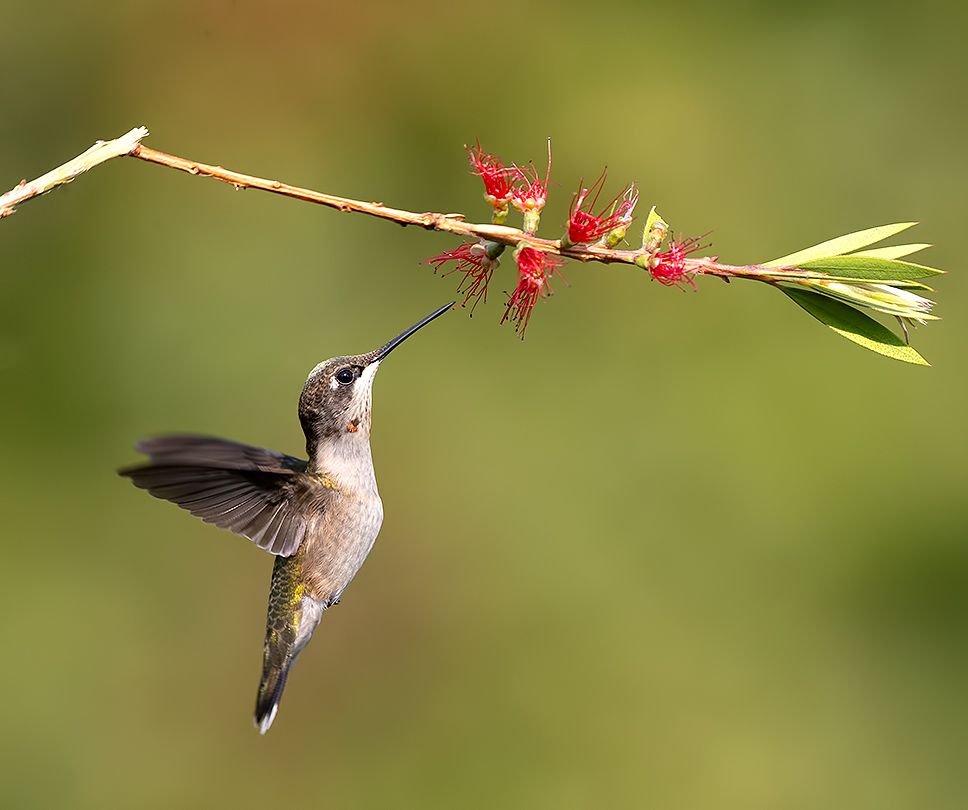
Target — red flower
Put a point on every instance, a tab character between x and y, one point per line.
530	191
584	226
471	260
669	267
535	269
496	176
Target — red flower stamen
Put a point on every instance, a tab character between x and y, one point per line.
471	260
530	191
584	226
496	176
626	205
669	266
535	269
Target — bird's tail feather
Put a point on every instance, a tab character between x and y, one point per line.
270	693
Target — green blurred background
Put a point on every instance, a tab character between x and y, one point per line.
673	551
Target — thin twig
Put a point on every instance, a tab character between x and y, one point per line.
99	153
446	223
130	144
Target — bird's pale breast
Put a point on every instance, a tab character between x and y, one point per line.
339	541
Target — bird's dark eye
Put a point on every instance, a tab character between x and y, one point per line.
345	376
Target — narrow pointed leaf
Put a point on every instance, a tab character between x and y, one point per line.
803	274
842	244
893	252
855	326
912	285
870	268
878	297
813	275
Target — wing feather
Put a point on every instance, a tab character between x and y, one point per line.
257	493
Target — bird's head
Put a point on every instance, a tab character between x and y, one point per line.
338	395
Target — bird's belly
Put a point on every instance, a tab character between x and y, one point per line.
340	543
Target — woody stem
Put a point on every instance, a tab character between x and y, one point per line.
445	223
130	145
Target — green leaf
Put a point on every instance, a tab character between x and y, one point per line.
654	232
893	252
870	268
654	219
912	285
855	326
842	244
794	276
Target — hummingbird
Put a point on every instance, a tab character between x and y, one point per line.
319	517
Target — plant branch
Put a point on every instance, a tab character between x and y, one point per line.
446	223
130	144
99	153
833	281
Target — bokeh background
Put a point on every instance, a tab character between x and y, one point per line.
673	551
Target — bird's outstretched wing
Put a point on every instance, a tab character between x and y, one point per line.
259	494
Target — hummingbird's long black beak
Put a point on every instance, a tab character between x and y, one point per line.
379	354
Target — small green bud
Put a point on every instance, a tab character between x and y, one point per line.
532	216
493	249
499	209
616	235
646	261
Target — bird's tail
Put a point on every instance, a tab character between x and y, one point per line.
290	621
270	693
